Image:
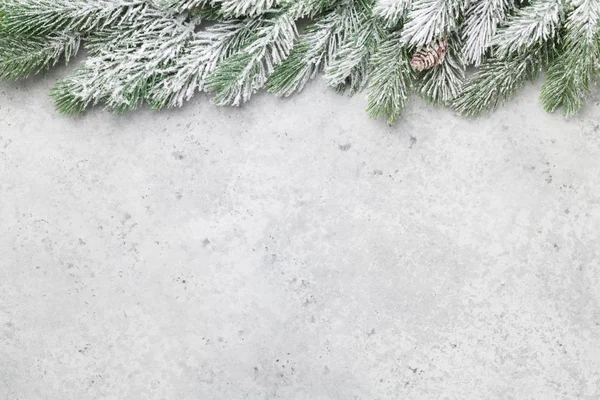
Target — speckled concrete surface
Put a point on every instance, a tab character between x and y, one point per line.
298	250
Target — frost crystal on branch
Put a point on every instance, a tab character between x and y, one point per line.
180	5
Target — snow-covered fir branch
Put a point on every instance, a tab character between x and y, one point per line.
442	84
392	11
429	20
42	17
188	72
313	51
391	79
577	67
238	77
347	70
483	18
238	8
498	79
125	62
20	58
530	26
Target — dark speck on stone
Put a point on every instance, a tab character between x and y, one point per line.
345	147
178	155
378	172
567	211
206	242
413	141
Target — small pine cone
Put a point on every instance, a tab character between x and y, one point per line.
430	56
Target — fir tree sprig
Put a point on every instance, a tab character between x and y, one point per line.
570	75
250	8
314	50
124	64
348	68
442	84
429	20
498	79
531	25
238	77
20	58
392	11
181	5
43	17
483	18
391	79
188	73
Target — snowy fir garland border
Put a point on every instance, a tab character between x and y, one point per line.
161	52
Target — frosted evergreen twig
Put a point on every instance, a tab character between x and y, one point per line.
429	20
391	79
238	77
180	5
43	17
348	68
251	8
203	53
498	79
483	17
442	84
20	58
392	11
570	75
530	26
313	51
121	74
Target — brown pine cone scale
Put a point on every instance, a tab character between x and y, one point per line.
430	56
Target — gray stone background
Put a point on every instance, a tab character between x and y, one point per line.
295	249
